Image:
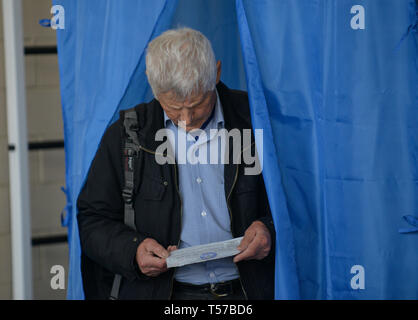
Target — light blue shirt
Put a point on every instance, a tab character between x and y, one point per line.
205	217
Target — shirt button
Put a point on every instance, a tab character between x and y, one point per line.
203	213
212	275
198	180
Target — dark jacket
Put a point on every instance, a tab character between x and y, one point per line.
109	246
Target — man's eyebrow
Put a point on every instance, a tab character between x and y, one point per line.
191	106
174	107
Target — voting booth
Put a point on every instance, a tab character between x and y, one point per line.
334	87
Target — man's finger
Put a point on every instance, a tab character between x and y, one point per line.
256	249
247	253
155	270
154	273
248	237
157	249
171	248
149	260
157	262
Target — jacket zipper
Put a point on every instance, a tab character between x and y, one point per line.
230	218
181	218
181	208
230	212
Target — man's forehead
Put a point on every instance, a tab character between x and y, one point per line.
172	100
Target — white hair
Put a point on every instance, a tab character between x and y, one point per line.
181	61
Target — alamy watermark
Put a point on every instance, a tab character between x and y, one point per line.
57	20
58	280
243	148
358	280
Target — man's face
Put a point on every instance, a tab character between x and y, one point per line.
193	111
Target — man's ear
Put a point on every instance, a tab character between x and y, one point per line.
218	71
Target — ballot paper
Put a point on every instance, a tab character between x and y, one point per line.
202	253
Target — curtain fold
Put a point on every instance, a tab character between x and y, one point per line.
336	83
98	52
101	56
333	85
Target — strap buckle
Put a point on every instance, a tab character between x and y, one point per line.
130	152
127	195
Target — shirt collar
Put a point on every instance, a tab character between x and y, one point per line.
218	117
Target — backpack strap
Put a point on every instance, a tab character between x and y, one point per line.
130	151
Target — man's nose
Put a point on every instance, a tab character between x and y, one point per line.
187	117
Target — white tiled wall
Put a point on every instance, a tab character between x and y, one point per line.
47	167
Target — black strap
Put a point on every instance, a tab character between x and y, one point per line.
128	190
130	151
114	293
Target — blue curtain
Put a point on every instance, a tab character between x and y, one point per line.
99	50
335	87
335	93
102	70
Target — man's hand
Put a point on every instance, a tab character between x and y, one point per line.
151	256
256	243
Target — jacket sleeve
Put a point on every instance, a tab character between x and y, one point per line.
103	235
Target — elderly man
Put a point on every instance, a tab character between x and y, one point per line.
176	204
